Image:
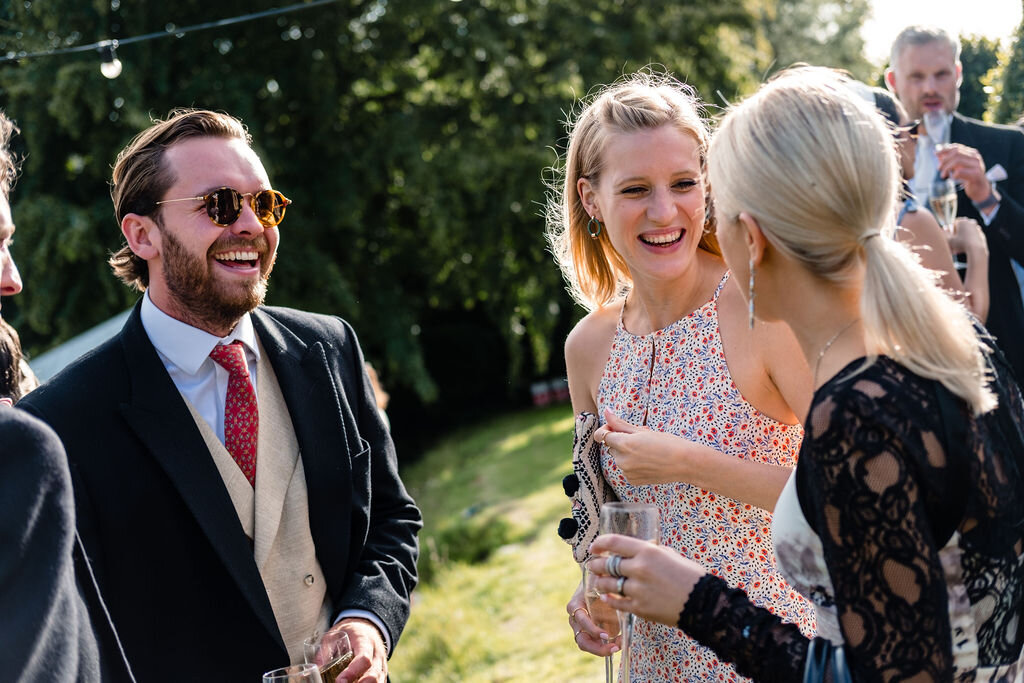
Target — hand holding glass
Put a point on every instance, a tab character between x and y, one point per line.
639	521
331	651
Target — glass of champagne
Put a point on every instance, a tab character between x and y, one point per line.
331	652
942	200
300	673
639	521
602	614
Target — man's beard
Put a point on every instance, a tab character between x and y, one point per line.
207	303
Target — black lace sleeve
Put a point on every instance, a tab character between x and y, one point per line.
877	486
753	639
872	470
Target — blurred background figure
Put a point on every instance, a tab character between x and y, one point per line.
985	160
54	626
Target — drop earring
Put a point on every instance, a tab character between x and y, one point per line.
590	228
750	296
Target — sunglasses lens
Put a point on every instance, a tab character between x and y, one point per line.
224	206
269	206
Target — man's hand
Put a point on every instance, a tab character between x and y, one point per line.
965	165
370	663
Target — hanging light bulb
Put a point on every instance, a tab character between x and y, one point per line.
111	65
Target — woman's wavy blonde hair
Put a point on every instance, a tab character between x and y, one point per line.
814	164
594	271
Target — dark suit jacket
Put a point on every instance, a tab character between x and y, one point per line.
175	567
53	626
1000	145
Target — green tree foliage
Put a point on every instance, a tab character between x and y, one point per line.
1010	108
980	58
819	32
411	135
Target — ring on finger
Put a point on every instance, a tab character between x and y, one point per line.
577	610
620	586
577	634
613	566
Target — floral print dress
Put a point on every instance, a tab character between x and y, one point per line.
675	380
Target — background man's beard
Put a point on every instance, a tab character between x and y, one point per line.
210	304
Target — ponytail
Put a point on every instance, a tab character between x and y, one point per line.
908	318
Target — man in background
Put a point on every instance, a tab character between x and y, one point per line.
986	160
233	480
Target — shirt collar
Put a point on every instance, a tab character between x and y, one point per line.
186	346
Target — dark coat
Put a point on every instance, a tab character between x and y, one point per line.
170	555
53	626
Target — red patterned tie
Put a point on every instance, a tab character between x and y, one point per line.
241	415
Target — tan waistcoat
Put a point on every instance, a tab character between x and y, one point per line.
275	516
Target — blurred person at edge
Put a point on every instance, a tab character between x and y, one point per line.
701	407
987	160
16	378
919	228
53	625
904	517
235	485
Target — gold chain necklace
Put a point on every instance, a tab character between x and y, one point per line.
828	345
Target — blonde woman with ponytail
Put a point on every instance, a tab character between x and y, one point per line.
701	406
904	518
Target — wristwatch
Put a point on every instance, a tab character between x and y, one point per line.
992	200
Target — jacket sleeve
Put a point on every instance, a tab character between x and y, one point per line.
386	570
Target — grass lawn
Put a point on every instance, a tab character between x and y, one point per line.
495	575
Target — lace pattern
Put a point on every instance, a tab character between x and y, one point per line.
919	509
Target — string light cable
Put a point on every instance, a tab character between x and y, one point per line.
111	65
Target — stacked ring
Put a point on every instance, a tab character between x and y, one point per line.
620	586
613	566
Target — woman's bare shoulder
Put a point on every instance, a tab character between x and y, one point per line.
593	332
586	352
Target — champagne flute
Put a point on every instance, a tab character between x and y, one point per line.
331	652
300	673
639	521
942	191
942	200
602	614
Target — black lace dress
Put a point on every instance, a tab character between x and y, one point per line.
904	523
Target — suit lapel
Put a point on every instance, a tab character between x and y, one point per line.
157	413
314	402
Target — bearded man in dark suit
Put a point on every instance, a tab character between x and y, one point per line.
986	160
235	487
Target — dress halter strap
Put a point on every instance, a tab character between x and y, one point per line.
721	285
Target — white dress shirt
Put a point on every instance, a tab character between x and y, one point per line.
185	352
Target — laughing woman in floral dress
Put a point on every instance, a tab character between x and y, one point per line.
701	407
